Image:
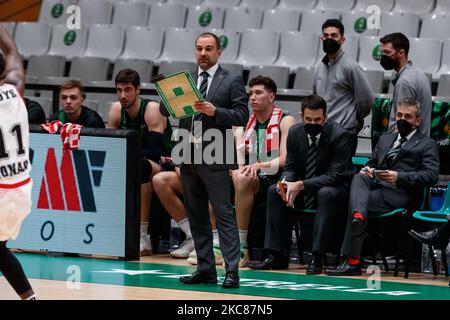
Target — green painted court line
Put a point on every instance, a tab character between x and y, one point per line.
253	283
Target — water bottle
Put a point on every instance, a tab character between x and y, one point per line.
175	233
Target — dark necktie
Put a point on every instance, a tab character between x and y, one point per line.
311	162
196	132
393	153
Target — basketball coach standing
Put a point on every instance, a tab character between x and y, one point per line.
225	105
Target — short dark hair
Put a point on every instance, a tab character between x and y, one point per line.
267	82
209	34
70	84
128	76
314	102
334	23
399	41
2	65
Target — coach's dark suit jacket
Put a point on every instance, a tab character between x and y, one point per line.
227	94
334	157
417	165
211	182
334	169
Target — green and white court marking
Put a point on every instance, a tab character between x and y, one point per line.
253	283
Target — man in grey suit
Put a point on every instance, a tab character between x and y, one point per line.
403	163
203	179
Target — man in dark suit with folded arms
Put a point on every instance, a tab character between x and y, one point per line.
406	161
225	105
316	175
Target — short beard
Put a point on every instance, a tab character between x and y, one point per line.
130	105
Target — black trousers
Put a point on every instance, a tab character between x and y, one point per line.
12	270
366	197
201	184
330	201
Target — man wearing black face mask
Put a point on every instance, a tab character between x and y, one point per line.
409	160
342	82
408	81
316	175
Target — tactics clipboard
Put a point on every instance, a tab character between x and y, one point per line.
179	93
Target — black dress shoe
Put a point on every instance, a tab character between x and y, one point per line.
231	280
271	262
315	265
345	269
200	277
358	226
430	238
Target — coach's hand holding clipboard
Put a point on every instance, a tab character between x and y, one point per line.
180	95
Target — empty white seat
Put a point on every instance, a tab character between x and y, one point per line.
142	43
335	5
30	79
131	13
229	43
143	67
205	17
186	2
376	79
414	6
406	23
435	26
167	15
351	45
312	20
278	74
370	53
68	43
179	45
263	4
281	20
105	41
46	104
96	12
100	97
298	49
445	62
304	78
384	5
91	104
10	27
233	68
221	3
443	89
89	68
258	47
425	54
292	107
364	147
46	66
442	7
32	38
366	130
239	18
103	108
171	67
355	22
54	11
53	81
297	4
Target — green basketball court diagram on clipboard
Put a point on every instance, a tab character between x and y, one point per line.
179	93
